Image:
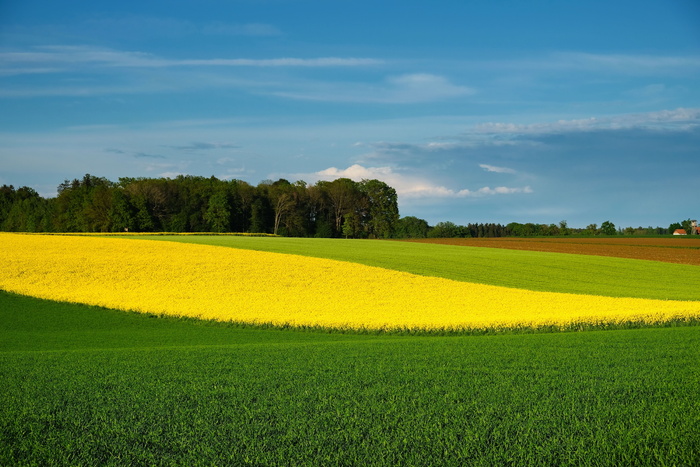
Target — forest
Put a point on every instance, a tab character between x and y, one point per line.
338	208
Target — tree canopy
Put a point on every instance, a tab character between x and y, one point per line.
338	208
366	209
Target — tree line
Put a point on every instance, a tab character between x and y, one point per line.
339	208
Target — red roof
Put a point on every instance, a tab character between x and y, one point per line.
680	232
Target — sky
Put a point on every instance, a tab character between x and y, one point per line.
474	111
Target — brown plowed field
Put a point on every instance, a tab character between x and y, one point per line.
683	250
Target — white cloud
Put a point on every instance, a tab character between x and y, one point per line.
493	168
680	118
275	62
49	58
202	146
408	186
425	87
402	89
581	62
626	63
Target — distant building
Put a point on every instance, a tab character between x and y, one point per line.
680	232
694	228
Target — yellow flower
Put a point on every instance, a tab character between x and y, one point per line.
260	287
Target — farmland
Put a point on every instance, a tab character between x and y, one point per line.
261	287
681	250
86	385
532	270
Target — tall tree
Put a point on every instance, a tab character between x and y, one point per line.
383	208
608	228
218	214
342	193
122	214
283	200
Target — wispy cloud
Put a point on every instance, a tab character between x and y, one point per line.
493	168
568	61
678	119
46	59
201	146
410	186
625	63
401	89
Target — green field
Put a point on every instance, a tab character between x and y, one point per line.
90	386
554	272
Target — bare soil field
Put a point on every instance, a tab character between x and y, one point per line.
682	250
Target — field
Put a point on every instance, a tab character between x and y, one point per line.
91	386
270	288
682	250
540	271
85	385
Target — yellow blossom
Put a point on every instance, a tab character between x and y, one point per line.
260	287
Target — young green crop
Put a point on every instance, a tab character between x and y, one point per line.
533	270
128	389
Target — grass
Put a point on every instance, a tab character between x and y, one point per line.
91	386
533	270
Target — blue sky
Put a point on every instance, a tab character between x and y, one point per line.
475	111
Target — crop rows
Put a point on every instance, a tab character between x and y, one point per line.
670	250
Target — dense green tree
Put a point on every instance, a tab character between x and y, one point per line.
342	194
411	227
608	228
445	229
122	214
218	214
675	226
383	211
7	199
261	218
687	225
564	228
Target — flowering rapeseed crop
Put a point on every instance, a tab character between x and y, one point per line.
260	287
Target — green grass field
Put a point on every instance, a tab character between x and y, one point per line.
90	386
554	272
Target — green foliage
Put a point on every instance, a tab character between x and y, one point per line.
199	204
608	228
23	210
536	230
89	386
687	226
411	227
218	213
675	226
383	212
444	230
534	270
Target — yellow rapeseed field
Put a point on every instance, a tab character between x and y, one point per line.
260	287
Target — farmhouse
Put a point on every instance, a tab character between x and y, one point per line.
694	230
